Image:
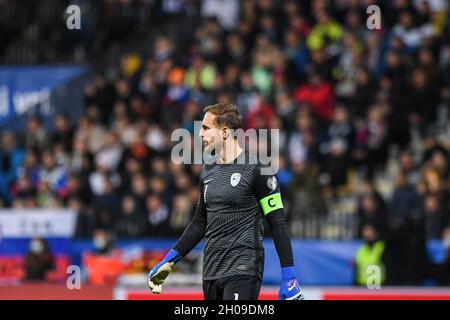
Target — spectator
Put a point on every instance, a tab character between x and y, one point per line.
431	145
319	94
365	92
46	197
31	167
106	204
157	216
139	190
260	116
305	196
445	72
103	242
298	145
130	224
422	100
76	188
111	153
201	71
370	212
99	93
81	160
371	254
227	12
411	35
24	189
11	158
285	109
36	137
337	147
368	188
409	167
92	133
439	162
156	138
85	218
406	260
248	98
426	62
160	186
181	213
138	149
434	217
325	32
403	200
372	142
52	173
39	260
322	64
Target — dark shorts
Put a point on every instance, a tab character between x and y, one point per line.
232	288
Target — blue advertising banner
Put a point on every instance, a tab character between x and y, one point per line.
39	89
318	262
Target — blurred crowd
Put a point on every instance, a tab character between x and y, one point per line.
347	100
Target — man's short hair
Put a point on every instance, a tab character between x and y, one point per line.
227	115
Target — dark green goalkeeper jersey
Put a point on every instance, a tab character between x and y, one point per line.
233	201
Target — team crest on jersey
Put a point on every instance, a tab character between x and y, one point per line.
272	183
235	178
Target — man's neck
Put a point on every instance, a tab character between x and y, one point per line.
230	151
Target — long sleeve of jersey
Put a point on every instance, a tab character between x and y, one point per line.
267	192
196	229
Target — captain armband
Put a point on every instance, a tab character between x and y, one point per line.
271	203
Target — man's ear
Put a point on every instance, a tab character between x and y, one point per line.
225	133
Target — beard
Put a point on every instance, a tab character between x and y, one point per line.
211	148
208	147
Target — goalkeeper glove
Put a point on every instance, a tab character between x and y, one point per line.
290	289
160	272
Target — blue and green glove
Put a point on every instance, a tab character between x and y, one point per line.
290	289
160	272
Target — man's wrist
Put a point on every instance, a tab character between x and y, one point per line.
288	273
172	256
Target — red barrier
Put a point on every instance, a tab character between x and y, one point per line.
179	294
311	293
45	291
13	269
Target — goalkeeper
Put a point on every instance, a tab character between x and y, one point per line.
234	196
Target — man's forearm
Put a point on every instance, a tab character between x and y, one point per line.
278	226
188	240
195	230
290	288
193	234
